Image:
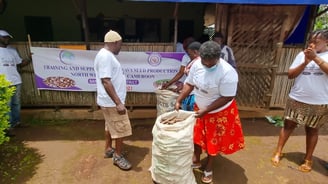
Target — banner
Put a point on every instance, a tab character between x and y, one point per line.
72	70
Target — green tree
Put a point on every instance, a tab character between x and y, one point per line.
321	21
5	94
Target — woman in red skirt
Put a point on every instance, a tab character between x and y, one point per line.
218	127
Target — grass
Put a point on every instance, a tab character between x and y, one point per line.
17	162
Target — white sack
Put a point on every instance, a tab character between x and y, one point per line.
165	100
172	149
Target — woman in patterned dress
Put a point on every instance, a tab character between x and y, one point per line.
218	127
308	99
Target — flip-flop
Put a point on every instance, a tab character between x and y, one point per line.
207	177
306	166
275	160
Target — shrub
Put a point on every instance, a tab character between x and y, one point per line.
5	94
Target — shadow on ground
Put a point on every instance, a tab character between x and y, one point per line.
222	166
72	152
296	158
18	163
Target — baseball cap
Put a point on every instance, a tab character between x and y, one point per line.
4	33
112	36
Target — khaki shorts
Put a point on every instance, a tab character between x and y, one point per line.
314	116
118	125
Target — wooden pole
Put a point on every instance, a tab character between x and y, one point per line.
29	42
29	50
84	19
175	15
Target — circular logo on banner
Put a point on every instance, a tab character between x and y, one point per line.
66	57
154	59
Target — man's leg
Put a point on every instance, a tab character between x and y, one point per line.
108	141
118	146
120	130
118	158
15	107
109	151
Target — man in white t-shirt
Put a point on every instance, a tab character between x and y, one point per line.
226	51
111	94
9	61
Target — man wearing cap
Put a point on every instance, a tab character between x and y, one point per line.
9	61
226	51
111	94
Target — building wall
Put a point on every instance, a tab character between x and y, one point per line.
67	27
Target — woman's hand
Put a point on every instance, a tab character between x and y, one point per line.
200	113
165	85
177	106
310	54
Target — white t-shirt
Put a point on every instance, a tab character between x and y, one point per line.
188	67
184	62
179	47
227	54
9	59
209	86
311	86
107	66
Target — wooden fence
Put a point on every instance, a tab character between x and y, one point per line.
253	74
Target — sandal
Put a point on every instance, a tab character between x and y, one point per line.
196	165
306	166
121	162
207	177
276	159
109	153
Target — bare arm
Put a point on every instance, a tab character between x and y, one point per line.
294	72
108	85
25	61
175	78
312	55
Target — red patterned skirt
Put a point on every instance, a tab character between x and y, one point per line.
220	132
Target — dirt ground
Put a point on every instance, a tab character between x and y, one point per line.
73	153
